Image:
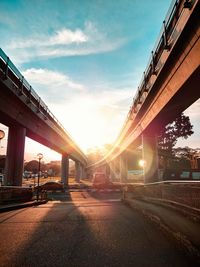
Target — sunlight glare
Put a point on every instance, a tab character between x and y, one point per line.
141	163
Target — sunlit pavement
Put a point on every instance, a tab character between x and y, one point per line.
84	229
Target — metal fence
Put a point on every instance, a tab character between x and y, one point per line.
27	90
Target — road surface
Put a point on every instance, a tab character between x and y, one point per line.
84	229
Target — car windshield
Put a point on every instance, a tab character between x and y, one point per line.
99	178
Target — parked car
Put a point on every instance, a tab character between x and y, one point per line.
101	180
52	186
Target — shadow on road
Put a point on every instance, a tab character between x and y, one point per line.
74	230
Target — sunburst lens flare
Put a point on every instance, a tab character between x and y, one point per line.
141	163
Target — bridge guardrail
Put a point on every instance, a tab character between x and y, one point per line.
15	193
20	194
183	192
162	44
173	14
18	75
29	92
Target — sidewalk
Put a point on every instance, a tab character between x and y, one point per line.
185	231
15	206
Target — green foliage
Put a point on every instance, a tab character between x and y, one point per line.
33	166
97	153
180	127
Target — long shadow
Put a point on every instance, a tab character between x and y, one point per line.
57	234
70	233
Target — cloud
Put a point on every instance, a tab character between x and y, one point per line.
62	37
92	117
193	110
52	86
51	78
64	42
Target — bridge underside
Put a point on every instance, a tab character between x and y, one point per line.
174	87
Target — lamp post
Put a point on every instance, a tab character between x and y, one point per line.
2	135
39	156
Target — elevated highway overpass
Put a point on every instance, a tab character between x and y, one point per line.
24	112
170	84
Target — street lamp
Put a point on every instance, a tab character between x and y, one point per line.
39	156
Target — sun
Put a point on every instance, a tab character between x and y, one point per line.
88	124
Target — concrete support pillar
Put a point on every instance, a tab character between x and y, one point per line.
81	171
84	173
112	170
150	157
65	170
123	168
117	168
107	170
78	171
15	156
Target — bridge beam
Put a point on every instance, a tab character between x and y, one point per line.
150	157
15	156
65	170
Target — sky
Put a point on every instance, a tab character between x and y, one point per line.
85	58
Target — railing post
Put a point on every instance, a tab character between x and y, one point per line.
38	108
145	82
6	70
153	65
166	45
187	4
21	86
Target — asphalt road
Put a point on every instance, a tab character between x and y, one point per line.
85	229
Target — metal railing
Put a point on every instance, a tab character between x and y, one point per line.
27	90
164	182
174	12
162	43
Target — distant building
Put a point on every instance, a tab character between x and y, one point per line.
195	160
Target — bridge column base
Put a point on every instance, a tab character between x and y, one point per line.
123	168
78	171
150	157
15	156
112	170
65	170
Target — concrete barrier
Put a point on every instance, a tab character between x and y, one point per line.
186	193
15	194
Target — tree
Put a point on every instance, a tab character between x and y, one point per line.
33	166
97	153
180	127
53	168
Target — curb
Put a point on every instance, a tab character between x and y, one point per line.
22	205
180	239
190	212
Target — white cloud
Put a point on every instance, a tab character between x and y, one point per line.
63	42
193	113
193	110
66	36
51	79
92	117
62	37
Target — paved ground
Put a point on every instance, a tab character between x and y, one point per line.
84	229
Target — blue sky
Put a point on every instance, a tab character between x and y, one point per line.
84	58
